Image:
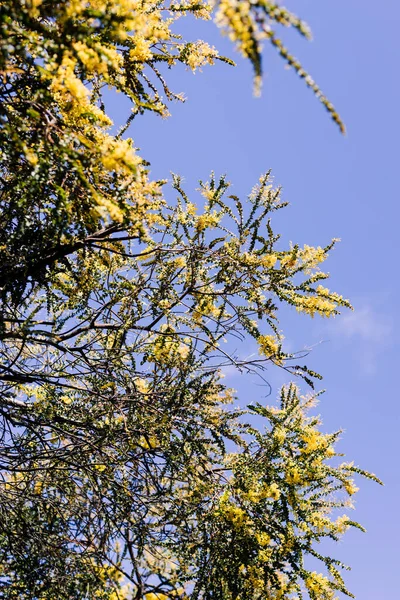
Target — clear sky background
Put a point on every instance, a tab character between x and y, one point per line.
337	186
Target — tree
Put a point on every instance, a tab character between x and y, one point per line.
125	470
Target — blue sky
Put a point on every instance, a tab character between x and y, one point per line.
346	187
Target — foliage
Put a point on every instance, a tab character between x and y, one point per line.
125	470
66	178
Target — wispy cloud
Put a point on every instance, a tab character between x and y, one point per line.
370	332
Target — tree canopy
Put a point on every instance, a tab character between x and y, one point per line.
128	468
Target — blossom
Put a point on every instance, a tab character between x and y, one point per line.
269	260
141	49
342	524
141	385
293	476
268	345
198	54
279	435
350	488
207	220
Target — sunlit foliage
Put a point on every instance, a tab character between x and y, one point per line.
128	468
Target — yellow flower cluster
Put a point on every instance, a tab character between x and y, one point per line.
141	385
308	256
321	522
33	6
198	54
143	28
97	58
273	492
180	262
350	488
118	155
311	256
255	578
112	575
325	303
263	538
158	596
123	593
66	399
236	515
319	586
268	260
108	573
314	440
288	261
259	493
141	49
167	350
265	191
279	435
235	17
268	345
204	309
191	208
207	220
64	80
149	442
293	476
31	156
125	16
342	524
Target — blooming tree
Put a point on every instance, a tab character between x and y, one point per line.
127	469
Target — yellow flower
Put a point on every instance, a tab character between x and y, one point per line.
274	491
90	58
264	556
330	451
288	261
149	442
65	81
252	496
269	260
270	491
118	155
314	441
141	385
342	524
100	468
268	345
191	208
320	522
141	50
66	399
293	476
279	435
180	262
263	538
164	304
323	291
207	220
31	157
351	488
38	487
198	54
33	6
319	586
312	256
183	351
158	596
